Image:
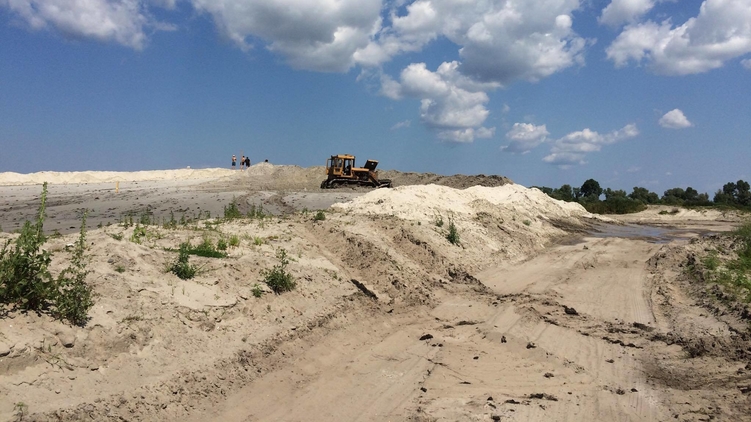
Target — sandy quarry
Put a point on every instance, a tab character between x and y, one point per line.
542	312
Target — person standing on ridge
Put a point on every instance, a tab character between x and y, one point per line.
234	161
247	162
242	162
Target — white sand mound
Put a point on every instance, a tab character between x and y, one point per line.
425	202
54	177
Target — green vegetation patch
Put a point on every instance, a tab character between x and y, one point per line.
278	278
182	266
26	282
731	270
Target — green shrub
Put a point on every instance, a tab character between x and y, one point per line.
711	262
453	235
145	219
139	232
234	241
278	278
231	211
527	222
320	216
256	212
120	269
171	223
25	280
257	290
73	296
206	249
258	241
182	267
616	205
221	244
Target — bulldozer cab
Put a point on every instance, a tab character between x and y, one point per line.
340	165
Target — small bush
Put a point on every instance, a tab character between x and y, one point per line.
256	212
320	216
278	278
182	267
73	296
527	222
24	275
139	232
206	249
439	221
221	245
171	223
711	262
258	241
257	290
231	211
453	234
120	269
145	218
234	241
25	280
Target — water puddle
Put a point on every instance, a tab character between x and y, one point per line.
650	234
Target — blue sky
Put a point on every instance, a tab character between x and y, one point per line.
651	93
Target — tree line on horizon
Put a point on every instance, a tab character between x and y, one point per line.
733	194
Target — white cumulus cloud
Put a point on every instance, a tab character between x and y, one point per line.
121	21
572	148
499	41
619	12
675	119
450	103
720	32
525	137
320	35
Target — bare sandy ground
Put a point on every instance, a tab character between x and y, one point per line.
542	312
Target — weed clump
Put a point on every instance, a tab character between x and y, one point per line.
734	272
221	245
182	267
73	295
453	235
24	276
257	291
278	278
207	249
231	211
256	212
320	216
25	279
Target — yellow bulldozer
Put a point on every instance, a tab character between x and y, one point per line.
341	170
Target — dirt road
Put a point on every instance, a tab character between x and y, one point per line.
576	333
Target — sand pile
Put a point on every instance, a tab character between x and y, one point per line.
506	222
54	177
426	202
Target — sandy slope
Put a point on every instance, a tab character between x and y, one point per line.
390	321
